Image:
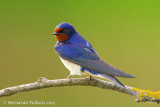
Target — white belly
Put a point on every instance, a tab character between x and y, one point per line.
73	68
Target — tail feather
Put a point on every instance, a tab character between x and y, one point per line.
115	80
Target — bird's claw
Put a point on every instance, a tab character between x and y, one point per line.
89	78
69	77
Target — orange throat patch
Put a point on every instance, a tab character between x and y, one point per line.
61	37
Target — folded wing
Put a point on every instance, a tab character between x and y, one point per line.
86	57
102	67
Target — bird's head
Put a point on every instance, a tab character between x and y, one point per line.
64	31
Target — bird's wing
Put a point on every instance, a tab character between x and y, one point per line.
88	58
101	67
71	51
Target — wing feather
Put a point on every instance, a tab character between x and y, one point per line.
101	67
86	57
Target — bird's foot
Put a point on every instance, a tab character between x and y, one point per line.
89	78
69	77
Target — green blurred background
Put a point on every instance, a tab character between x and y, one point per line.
125	33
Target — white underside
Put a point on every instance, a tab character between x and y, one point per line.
76	69
73	68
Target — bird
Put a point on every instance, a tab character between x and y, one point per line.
79	56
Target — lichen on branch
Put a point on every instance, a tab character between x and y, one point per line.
147	95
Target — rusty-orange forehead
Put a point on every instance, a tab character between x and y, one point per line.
58	29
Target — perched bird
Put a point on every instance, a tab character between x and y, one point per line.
78	55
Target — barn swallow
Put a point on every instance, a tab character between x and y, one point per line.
79	57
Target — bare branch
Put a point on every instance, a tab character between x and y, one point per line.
143	95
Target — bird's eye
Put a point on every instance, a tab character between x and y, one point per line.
58	30
61	31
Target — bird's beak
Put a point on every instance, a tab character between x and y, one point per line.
56	33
